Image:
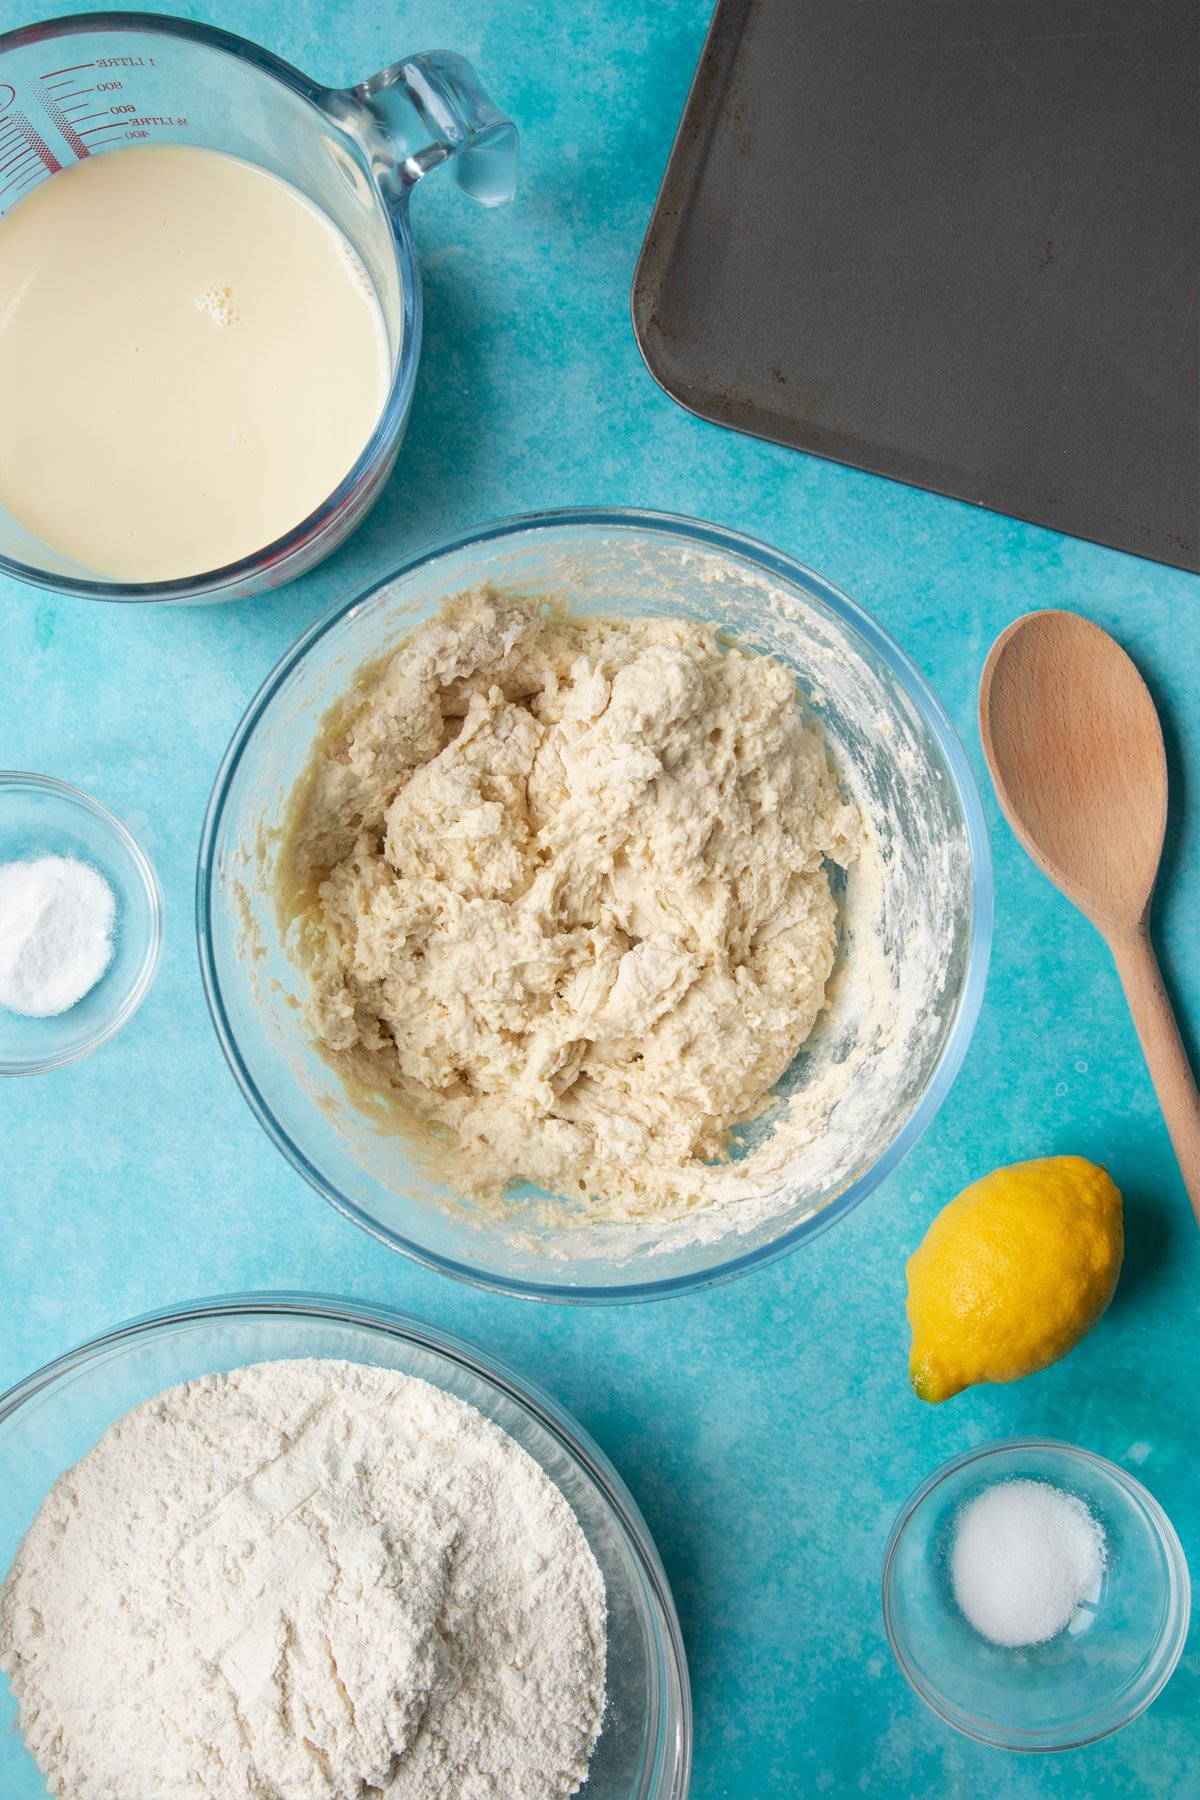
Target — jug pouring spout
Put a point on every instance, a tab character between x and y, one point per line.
431	109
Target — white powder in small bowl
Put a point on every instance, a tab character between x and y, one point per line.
1026	1556
56	934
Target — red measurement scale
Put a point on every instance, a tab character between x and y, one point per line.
25	155
88	107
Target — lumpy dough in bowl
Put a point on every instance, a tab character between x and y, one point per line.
562	886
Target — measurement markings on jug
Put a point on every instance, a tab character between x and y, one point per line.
24	154
53	108
62	98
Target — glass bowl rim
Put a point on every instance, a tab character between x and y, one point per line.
775	563
11	779
674	1689
1173	1636
212	583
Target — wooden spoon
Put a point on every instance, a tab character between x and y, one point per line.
1075	747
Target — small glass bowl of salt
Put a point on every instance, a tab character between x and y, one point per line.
1035	1595
80	924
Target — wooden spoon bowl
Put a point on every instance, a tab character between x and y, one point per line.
1075	748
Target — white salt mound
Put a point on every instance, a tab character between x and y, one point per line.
56	926
1026	1555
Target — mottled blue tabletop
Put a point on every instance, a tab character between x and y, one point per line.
766	1427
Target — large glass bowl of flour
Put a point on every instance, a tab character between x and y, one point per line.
54	1417
914	916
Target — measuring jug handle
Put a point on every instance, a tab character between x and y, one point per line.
431	109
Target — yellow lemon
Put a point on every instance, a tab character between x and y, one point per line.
1012	1273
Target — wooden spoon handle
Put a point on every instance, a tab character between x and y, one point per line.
1165	1055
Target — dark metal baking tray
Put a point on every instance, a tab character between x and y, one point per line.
950	241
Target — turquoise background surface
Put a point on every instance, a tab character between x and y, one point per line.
766	1428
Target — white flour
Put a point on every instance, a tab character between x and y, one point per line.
307	1580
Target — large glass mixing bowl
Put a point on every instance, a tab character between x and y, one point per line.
916	913
54	1417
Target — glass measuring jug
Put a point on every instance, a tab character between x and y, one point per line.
87	85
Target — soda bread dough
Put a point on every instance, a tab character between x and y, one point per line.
562	886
